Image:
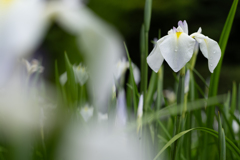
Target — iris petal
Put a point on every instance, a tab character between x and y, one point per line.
177	50
212	51
155	59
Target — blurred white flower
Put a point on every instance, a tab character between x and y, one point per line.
170	95
86	112
235	126
81	75
98	144
121	68
102	117
100	44
63	78
140	107
33	67
140	113
121	116
22	26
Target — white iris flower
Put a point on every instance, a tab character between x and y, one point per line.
80	73
177	49
121	68
86	112
33	66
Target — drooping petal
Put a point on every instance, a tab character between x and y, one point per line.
210	49
184	26
214	53
177	49
155	59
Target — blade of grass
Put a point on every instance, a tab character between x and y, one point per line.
135	103
230	144
213	88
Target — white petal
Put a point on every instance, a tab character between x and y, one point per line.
121	117
170	31
140	106
204	48
136	73
63	78
199	30
184	26
155	59
212	51
177	51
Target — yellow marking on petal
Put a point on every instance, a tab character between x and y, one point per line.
206	42
178	34
5	2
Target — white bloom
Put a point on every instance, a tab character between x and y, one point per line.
63	78
140	107
22	24
177	49
170	95
102	117
235	126
121	117
99	43
86	112
81	75
33	67
122	67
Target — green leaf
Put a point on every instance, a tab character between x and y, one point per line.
213	88
220	135
71	83
230	144
135	92
147	14
143	58
222	43
234	97
160	87
151	88
223	147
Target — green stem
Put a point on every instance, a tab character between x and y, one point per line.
180	101
145	82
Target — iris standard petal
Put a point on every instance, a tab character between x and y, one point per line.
155	59
184	26
177	49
